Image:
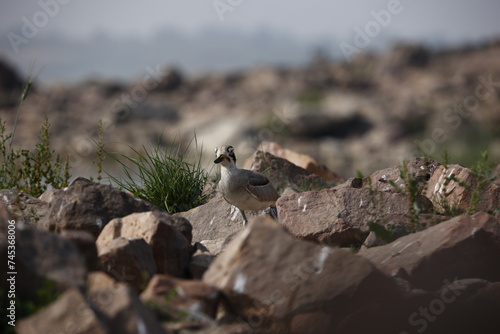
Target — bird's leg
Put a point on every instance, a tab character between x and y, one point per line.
274	212
245	220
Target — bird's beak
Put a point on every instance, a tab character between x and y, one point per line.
220	158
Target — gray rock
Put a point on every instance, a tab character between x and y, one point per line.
89	206
42	261
24	207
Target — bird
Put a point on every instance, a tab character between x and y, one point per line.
243	188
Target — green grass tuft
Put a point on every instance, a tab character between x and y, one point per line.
163	177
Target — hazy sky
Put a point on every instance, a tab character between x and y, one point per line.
79	18
452	21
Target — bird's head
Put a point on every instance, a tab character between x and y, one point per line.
225	155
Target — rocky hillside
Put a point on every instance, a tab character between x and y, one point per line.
407	249
364	115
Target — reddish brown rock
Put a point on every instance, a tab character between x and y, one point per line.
462	247
457	188
339	215
390	179
301	160
71	312
277	283
89	206
283	173
186	299
129	261
171	249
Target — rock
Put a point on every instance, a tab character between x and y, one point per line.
456	188
99	281
129	261
461	306
5	216
316	124
170	247
24	207
44	261
277	283
85	243
89	206
283	173
200	261
124	312
462	247
339	215
181	300
9	78
420	169
214	220
301	160
171	80
401	225
71	312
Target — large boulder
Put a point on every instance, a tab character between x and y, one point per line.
282	173
161	231
89	206
462	247
215	220
341	215
301	160
277	283
128	260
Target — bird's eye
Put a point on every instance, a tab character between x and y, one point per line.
230	149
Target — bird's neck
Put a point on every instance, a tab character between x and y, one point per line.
228	168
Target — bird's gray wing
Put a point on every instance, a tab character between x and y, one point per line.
260	187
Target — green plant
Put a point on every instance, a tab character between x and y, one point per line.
99	153
310	97
410	190
32	171
482	167
163	177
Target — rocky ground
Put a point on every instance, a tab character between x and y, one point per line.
112	263
365	115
